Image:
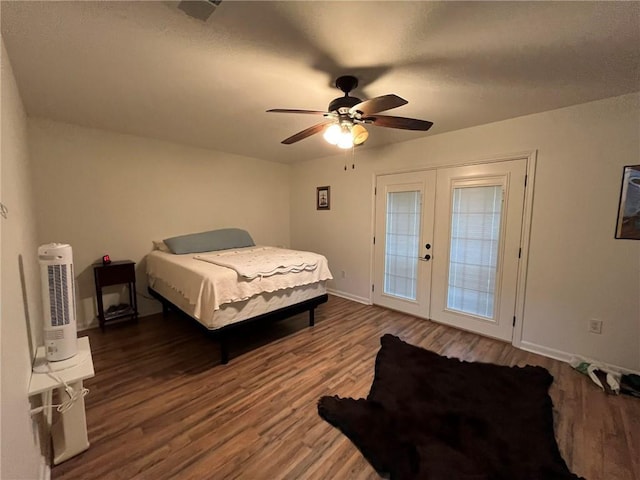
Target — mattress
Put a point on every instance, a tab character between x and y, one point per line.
216	295
234	312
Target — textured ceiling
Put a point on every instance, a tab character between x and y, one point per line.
146	68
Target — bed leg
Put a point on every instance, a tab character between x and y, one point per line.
165	309
224	350
312	316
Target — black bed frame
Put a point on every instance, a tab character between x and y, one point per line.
222	334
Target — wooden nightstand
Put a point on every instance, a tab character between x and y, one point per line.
116	273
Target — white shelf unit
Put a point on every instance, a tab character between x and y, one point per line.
69	431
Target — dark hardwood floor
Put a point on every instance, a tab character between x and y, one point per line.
161	406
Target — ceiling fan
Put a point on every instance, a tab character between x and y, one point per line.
347	115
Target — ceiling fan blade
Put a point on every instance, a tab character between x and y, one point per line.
289	110
378	104
398	122
306	133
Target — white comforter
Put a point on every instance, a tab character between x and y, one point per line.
264	261
207	285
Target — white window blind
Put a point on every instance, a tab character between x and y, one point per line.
475	238
402	241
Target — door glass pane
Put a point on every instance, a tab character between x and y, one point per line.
402	239
473	261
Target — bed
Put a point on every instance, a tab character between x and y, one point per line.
223	280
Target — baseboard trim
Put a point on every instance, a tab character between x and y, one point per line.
45	470
349	296
545	351
86	326
566	357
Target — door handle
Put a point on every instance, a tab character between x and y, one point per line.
426	258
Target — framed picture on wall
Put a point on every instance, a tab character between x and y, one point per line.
628	224
323	198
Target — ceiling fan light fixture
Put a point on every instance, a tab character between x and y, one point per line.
346	141
340	135
332	134
359	134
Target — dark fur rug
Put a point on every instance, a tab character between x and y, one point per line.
438	418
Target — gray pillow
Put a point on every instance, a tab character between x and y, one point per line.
208	241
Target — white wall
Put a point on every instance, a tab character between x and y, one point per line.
577	270
104	192
20	290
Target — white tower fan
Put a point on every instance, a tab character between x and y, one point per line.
58	301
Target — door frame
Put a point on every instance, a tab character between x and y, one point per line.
531	158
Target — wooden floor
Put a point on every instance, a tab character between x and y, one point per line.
161	406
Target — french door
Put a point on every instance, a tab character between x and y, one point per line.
447	244
403	236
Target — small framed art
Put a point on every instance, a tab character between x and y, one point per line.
323	198
628	224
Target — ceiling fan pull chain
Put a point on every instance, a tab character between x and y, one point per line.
353	157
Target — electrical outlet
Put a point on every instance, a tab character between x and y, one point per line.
343	274
595	326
